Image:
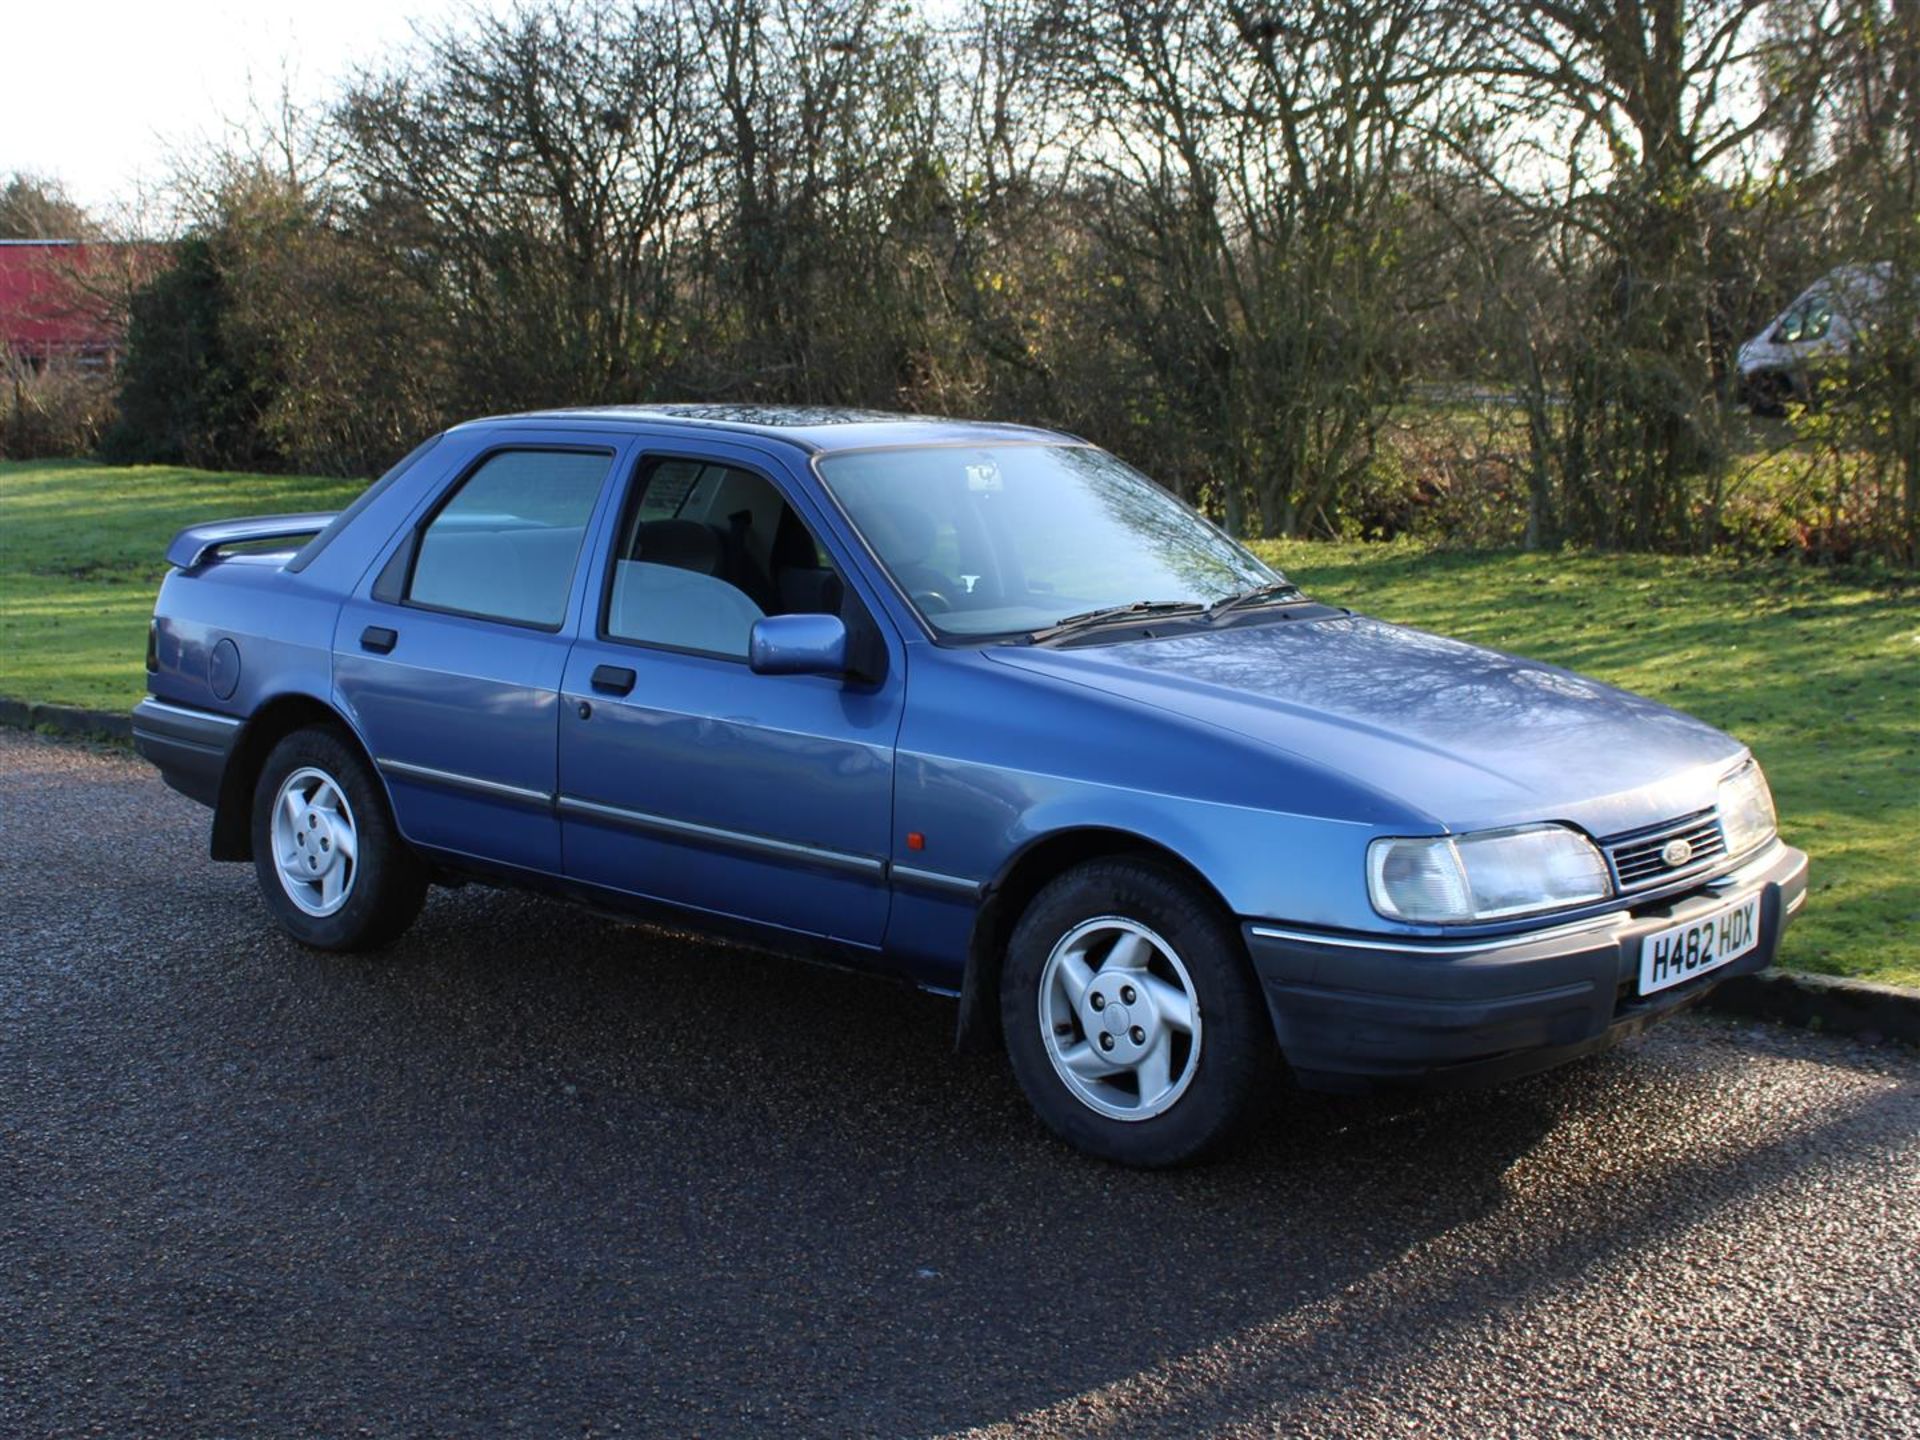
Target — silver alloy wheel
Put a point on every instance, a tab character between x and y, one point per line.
315	843
1119	1018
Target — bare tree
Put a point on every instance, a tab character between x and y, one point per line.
1250	162
36	208
827	131
1616	133
1222	235
539	170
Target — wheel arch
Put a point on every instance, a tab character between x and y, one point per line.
1007	896
272	722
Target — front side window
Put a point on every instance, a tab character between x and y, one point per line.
1808	320
1007	539
706	549
505	546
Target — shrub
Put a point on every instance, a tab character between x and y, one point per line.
53	413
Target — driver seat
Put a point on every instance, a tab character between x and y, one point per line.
905	537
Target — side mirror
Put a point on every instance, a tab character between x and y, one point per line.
798	645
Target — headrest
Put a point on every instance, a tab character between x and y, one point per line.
810	592
902	534
683	544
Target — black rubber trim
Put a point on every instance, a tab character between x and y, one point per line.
454	780
760	846
934	882
189	747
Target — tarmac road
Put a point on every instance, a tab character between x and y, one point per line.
533	1172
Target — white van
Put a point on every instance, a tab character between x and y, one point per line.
1818	329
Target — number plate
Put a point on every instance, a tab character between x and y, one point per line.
1676	954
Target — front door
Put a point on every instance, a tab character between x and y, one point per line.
685	777
450	659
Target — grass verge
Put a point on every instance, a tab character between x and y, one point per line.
1820	675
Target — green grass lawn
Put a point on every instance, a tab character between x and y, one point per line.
82	550
1821	676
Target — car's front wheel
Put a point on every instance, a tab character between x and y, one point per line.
1767	393
1132	1017
331	865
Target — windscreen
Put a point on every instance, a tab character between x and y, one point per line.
1002	540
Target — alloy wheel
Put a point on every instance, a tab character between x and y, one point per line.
1119	1018
315	842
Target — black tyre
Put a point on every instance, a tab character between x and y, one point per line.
1132	1015
331	865
1767	393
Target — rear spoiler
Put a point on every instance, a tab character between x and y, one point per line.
199	543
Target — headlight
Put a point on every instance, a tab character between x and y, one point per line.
1746	809
1492	875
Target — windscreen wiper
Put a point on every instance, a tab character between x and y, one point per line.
1273	591
1113	614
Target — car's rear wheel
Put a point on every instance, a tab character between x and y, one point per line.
331	865
1132	1016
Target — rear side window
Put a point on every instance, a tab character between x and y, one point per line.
505	545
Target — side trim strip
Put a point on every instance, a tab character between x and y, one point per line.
1429	947
729	839
934	880
187	713
456	781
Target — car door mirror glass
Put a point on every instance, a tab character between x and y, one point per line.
798	645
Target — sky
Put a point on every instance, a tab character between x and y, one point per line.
100	93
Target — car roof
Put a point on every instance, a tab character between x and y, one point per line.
814	428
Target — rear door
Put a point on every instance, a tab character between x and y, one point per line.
685	777
449	656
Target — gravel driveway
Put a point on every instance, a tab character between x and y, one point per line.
534	1172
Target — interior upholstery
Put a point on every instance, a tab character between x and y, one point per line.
668	605
520	573
804	586
905	537
682	544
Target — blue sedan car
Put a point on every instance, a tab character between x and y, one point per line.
973	705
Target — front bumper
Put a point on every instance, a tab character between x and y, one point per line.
1353	1013
189	747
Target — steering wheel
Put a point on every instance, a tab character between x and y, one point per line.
932	602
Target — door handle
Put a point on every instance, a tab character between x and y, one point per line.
379	639
612	679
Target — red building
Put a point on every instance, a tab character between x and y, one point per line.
59	303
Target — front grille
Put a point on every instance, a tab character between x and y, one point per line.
1639	861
